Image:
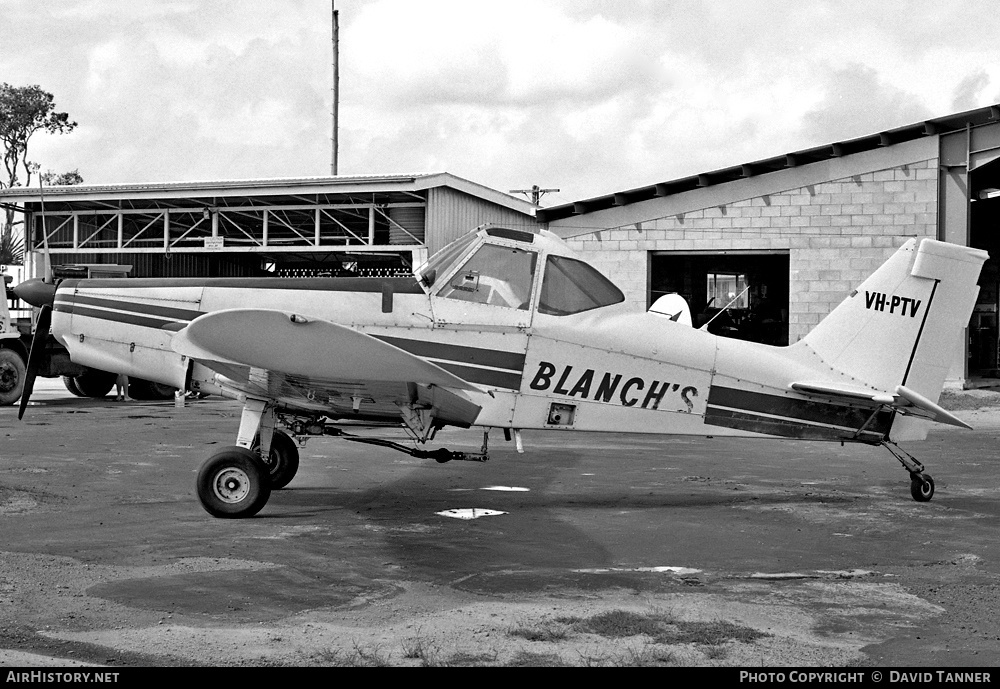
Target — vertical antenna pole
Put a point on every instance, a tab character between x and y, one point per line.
336	89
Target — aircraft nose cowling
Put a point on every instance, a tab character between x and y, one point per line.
36	292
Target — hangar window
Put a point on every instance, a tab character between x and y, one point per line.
709	280
572	286
496	275
728	289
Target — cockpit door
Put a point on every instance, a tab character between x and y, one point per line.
494	287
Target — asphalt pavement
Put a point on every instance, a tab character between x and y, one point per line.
374	557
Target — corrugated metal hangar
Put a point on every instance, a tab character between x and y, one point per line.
786	239
360	225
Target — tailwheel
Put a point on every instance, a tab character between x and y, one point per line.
921	484
921	487
283	460
233	483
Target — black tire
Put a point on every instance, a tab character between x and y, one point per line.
922	487
70	383
283	463
95	383
141	389
233	483
12	371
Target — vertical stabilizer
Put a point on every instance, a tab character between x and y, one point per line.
901	326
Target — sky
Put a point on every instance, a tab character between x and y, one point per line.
585	96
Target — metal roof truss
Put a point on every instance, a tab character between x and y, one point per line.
249	228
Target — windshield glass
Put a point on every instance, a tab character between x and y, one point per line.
497	275
571	286
441	262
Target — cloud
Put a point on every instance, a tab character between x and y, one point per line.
858	102
966	94
591	96
518	53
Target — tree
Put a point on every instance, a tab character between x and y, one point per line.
24	110
65	179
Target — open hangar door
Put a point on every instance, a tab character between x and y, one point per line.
753	284
984	233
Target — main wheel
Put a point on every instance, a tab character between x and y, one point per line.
233	483
12	369
149	390
95	383
283	462
922	487
70	383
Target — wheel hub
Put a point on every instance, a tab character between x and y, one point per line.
231	485
8	377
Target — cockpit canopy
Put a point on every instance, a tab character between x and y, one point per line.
500	266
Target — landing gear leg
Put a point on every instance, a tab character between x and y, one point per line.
235	482
921	484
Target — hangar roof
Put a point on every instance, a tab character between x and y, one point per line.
229	192
931	127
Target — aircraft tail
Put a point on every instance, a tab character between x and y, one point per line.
901	326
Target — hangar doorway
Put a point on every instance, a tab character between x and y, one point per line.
755	283
984	233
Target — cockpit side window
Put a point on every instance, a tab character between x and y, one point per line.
572	286
496	275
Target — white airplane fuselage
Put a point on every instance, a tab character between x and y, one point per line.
608	369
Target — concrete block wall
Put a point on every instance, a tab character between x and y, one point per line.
836	233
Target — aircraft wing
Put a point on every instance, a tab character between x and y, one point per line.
904	400
318	360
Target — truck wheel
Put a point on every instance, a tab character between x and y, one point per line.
95	383
11	376
70	383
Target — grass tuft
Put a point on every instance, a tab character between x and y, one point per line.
661	628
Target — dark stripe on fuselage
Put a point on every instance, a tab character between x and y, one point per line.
401	285
457	359
744	410
115	316
137	307
483	376
513	361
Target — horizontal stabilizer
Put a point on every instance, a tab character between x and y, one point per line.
905	400
838	390
935	411
300	346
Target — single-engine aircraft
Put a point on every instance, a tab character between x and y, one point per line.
507	329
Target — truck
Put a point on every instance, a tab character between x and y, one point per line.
17	326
